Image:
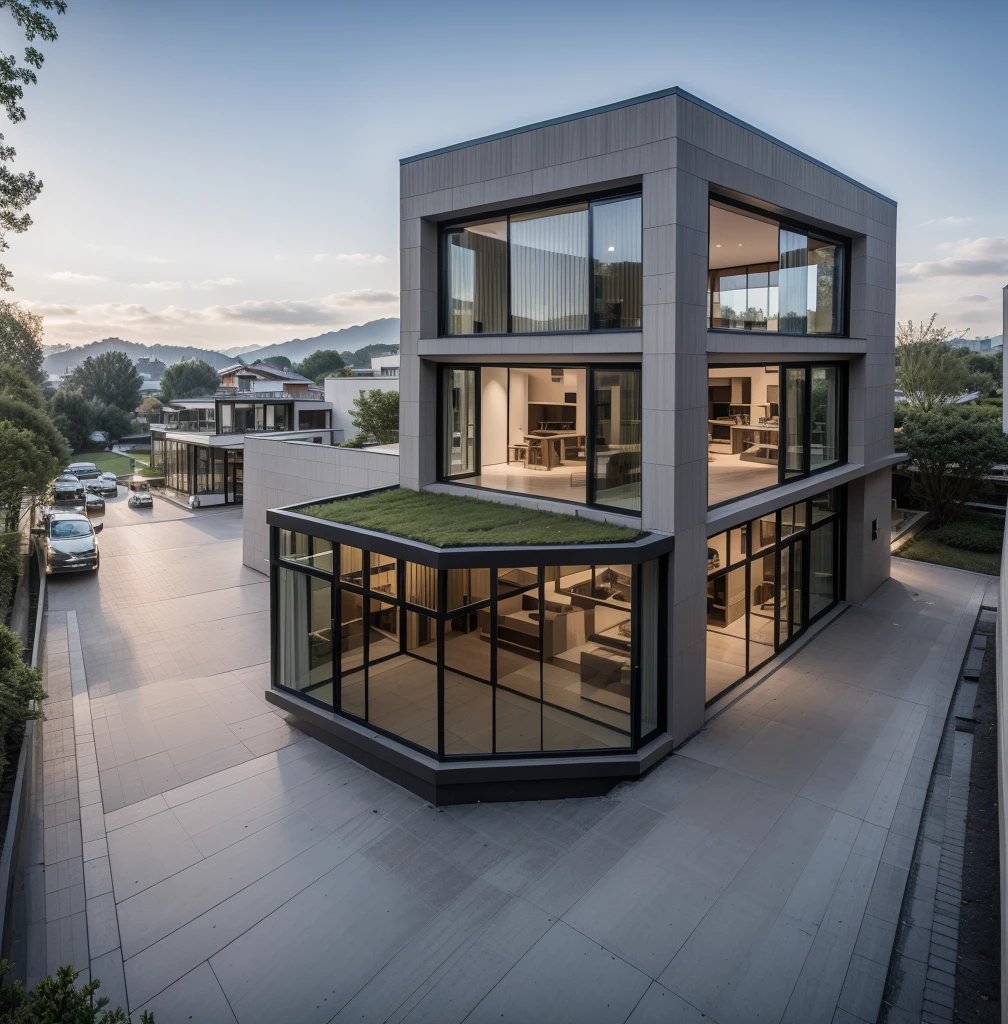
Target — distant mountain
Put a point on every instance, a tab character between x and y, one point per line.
62	359
349	339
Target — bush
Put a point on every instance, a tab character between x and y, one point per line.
19	686
985	538
10	570
58	1002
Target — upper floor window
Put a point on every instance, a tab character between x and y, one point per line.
765	275
575	267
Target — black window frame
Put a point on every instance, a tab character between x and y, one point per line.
607	196
784	223
498	561
843	397
590	428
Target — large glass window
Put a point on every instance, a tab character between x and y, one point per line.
549	270
566	268
757	579
768	424
476	276
616	264
528	659
617	463
766	275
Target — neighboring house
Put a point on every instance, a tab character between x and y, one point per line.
651	314
199	444
983	345
148	366
341	391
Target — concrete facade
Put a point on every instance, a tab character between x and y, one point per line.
679	151
285	472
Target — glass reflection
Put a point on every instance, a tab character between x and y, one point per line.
616	264
304	655
476	279
617	397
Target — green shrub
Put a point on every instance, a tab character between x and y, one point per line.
10	571
19	686
58	1002
971	535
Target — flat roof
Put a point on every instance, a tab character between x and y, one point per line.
647	97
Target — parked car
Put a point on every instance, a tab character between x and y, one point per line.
106	485
71	543
68	491
140	495
95	504
83	470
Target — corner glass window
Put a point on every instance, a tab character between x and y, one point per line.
476	275
458	431
304	652
617	468
765	275
549	270
618	279
825	426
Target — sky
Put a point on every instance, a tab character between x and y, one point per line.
221	173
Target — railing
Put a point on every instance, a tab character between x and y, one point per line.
314	394
1001	640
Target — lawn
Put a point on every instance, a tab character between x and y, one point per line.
113	462
448	521
927	548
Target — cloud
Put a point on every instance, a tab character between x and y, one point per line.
945	222
51	309
977	257
217	324
363	258
974	298
74	277
159	286
216	282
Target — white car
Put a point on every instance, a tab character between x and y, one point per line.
140	495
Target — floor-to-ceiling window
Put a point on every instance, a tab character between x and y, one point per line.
476	661
574	267
571	433
768	424
766	580
765	274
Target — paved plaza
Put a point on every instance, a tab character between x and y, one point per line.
215	864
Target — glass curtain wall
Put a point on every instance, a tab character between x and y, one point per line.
758	576
766	275
575	267
536	659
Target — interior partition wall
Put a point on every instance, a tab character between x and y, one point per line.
481	661
767	579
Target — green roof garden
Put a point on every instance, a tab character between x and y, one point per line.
446	521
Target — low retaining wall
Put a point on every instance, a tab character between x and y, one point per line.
281	472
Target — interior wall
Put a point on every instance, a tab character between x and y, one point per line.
494	415
518	400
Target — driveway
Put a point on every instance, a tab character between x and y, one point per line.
237	870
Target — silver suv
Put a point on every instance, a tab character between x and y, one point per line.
71	543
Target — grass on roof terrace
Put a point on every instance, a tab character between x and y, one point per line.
447	521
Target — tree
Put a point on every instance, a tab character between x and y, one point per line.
111	378
16	384
280	362
18	191
114	422
21	338
188	379
74	416
954	447
27	467
321	364
376	415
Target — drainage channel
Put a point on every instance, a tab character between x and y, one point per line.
921	982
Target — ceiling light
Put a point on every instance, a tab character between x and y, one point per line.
719	245
740	245
612	248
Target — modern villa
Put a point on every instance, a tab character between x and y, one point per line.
199	446
661	344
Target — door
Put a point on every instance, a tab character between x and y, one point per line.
790	611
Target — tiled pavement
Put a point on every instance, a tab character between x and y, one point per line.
756	875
